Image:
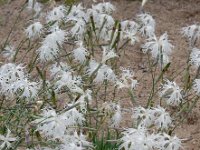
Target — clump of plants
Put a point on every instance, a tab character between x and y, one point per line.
64	90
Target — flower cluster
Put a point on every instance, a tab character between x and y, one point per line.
139	138
14	82
75	84
154	116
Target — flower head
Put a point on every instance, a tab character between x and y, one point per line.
6	140
79	19
147	25
57	14
75	141
105	73
108	54
172	93
170	143
152	116
196	86
54	125
105	7
117	117
50	46
25	88
68	80
162	118
34	30
37	7
145	117
80	53
160	48
195	57
192	32
129	30
57	70
126	80
9	75
137	139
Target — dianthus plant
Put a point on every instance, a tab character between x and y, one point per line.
65	86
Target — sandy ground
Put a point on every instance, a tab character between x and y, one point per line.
170	16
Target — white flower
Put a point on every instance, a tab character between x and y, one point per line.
69	81
85	98
30	4
145	117
126	81
47	53
57	14
195	57
51	124
160	48
55	37
8	52
109	21
131	35
105	7
129	25
77	12
137	139
147	25
105	73
78	29
102	72
162	118
54	125
103	23
140	139
133	83
93	66
56	70
25	88
129	30
34	30
75	142
6	140
50	49
117	117
37	8
33	4
152	116
80	53
12	71
171	92
79	18
192	33
196	86
13	81
170	143
9	74
108	54
74	117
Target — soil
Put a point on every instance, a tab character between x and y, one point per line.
170	16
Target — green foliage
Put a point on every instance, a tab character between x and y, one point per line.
105	142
